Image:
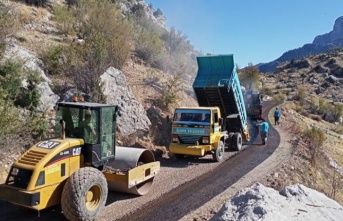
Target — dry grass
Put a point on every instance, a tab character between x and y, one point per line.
299	169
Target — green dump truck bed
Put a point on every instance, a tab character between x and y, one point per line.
217	84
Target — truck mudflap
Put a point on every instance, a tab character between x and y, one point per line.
136	181
189	150
20	197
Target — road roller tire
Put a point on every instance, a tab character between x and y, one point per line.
237	142
84	195
218	155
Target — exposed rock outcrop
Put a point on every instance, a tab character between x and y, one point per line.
48	99
157	17
133	119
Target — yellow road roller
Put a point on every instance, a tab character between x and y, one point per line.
78	168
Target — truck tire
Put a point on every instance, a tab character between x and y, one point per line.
237	141
218	155
84	194
229	140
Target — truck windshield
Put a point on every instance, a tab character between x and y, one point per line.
192	116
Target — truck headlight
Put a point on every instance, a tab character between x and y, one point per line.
176	139
205	140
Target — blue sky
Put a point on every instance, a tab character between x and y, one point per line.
254	31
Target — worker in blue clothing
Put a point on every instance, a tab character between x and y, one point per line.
277	115
264	129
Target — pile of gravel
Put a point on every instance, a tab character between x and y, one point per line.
295	202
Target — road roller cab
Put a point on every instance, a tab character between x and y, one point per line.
79	165
95	124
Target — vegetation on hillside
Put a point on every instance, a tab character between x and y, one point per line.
95	36
106	39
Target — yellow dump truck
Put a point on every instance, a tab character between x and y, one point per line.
220	120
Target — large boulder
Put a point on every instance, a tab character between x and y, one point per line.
295	202
31	62
133	118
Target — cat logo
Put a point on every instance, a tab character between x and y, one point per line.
48	144
76	151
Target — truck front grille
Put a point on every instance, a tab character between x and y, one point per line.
189	139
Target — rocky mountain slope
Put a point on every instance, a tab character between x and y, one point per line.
320	75
321	43
136	88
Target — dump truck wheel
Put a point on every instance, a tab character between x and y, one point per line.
218	155
229	140
237	142
179	156
84	194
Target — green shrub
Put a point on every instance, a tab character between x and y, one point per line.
301	94
148	46
171	89
10	122
8	25
323	106
29	97
64	18
299	108
18	104
279	97
250	76
337	111
11	76
53	57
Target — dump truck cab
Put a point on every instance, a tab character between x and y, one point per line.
197	131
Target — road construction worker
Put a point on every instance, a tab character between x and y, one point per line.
277	115
264	129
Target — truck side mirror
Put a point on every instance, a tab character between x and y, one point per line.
221	121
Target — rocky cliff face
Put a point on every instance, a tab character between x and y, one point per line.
321	43
332	36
